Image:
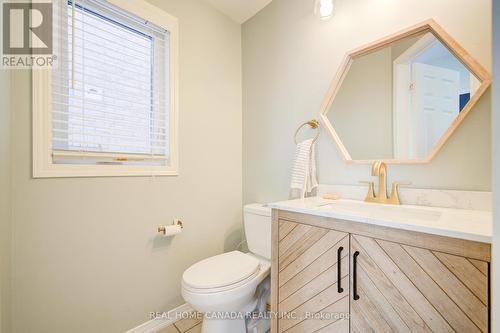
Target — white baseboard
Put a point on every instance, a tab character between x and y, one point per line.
154	325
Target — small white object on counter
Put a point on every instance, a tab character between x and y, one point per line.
473	225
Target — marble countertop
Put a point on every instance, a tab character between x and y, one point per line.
474	225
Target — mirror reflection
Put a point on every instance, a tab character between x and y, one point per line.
402	97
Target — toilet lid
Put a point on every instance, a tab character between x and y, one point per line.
221	270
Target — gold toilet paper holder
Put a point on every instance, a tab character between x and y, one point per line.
163	229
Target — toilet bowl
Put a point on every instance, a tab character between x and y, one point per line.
223	287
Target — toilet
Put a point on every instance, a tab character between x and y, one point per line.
223	287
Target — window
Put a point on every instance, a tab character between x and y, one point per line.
108	107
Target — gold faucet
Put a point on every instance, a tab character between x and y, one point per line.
379	169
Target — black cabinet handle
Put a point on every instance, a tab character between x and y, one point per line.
355	276
339	270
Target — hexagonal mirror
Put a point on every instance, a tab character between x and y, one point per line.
399	99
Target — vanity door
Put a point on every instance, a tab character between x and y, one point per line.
312	279
400	288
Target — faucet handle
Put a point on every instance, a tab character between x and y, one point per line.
401	183
371	191
394	198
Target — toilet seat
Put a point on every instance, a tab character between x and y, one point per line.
221	273
220	289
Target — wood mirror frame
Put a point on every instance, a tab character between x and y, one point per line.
454	47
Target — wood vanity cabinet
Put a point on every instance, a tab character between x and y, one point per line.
338	276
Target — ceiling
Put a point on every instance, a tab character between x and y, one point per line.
239	10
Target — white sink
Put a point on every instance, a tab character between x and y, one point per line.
386	212
457	223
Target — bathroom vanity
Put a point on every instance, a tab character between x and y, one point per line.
351	266
375	265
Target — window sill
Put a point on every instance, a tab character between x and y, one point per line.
65	171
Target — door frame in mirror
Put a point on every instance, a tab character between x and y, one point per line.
455	48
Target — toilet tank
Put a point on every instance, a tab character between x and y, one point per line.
257	221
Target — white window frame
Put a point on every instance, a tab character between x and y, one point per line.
43	165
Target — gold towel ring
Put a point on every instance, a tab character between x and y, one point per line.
314	124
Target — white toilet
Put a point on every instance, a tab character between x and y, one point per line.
223	287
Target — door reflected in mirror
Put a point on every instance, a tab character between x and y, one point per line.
397	102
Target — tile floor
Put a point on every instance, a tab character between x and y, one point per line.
184	326
189	325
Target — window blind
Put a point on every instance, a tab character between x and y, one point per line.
110	90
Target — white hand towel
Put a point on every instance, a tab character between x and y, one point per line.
304	170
